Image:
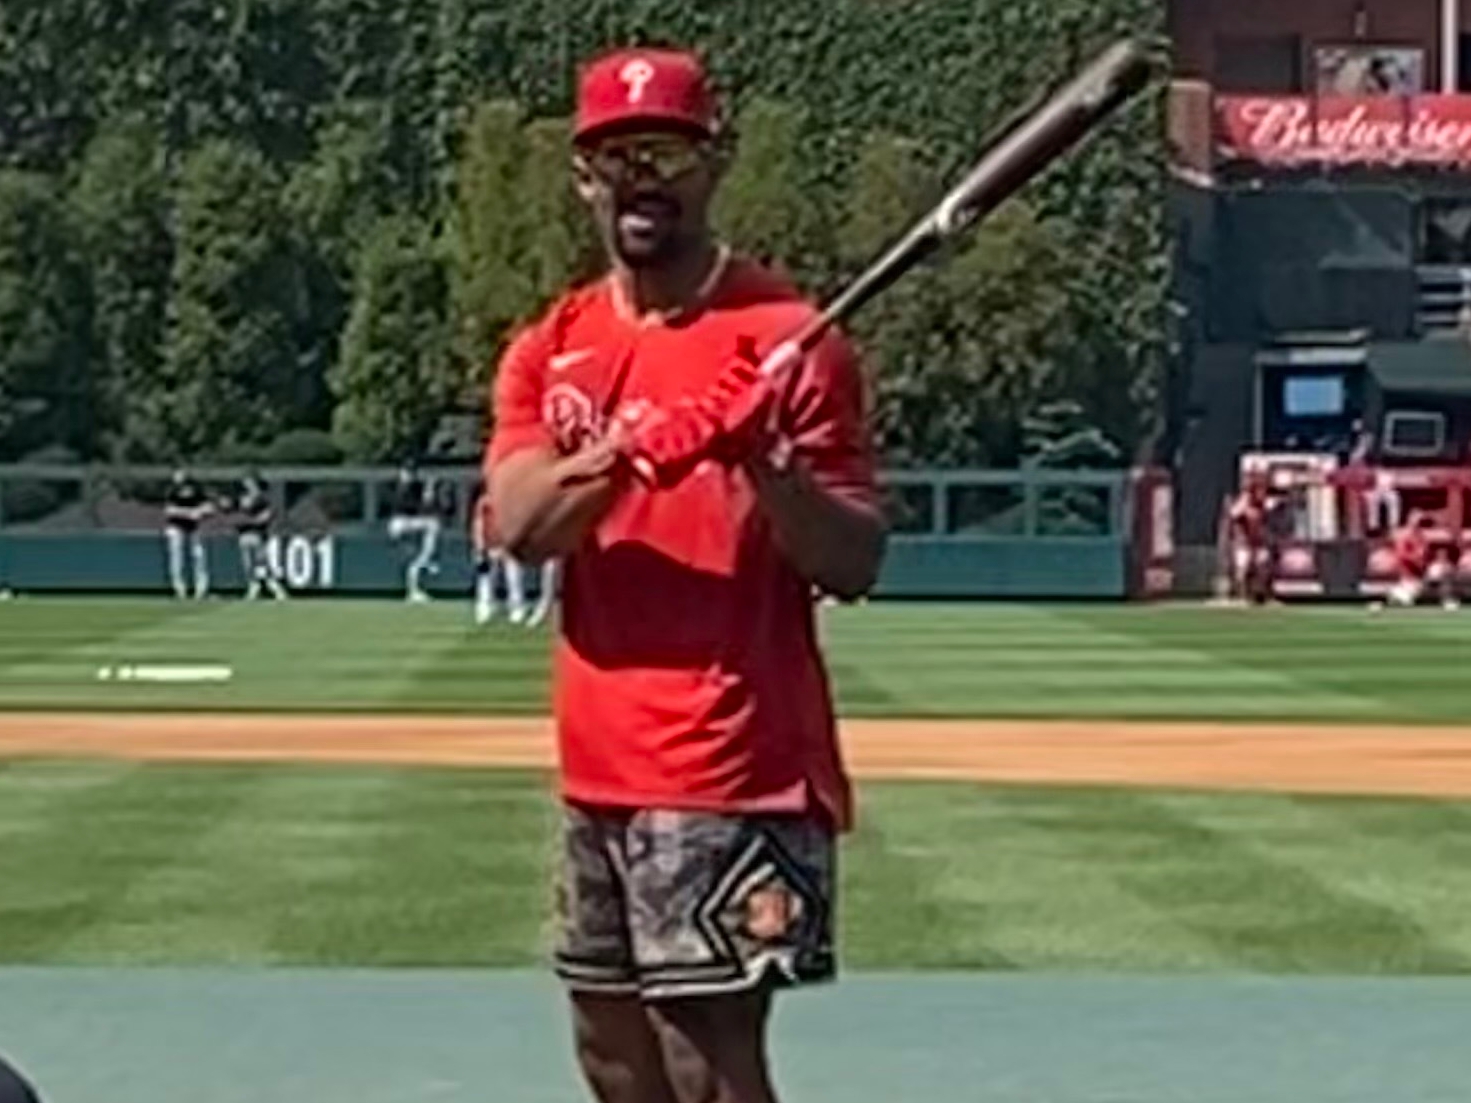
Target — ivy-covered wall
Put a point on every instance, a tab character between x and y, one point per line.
145	314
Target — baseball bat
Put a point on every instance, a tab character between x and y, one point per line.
1021	153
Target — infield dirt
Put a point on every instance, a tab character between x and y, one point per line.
1307	758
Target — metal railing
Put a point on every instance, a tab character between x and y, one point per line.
961	504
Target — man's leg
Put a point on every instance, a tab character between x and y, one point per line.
174	539
273	580
547	593
420	562
722	911
431	545
618	1051
1406	592
1442	577
251	553
1241	574
715	1047
515	589
201	565
484	587
616	1047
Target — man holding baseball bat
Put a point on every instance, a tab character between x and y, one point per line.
699	507
690	435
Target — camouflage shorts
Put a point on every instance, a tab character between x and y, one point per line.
666	903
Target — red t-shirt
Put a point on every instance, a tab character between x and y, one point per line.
687	670
1412	552
1249	519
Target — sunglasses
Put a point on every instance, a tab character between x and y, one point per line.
665	158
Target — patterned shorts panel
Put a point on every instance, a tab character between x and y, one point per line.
673	903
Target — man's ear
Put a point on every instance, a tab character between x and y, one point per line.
722	152
583	180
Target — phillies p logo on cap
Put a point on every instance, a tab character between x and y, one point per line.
644	87
636	74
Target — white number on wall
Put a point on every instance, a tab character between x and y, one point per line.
306	564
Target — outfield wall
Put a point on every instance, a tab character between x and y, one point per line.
367	564
957	534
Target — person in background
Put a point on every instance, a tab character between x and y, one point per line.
492	561
1251	549
1425	569
185	508
253	517
546	595
416	516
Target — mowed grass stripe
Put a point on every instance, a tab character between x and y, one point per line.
260	867
303	655
334	653
1223	882
1408	858
458	874
887	660
501	667
42	633
987	882
84	848
1409	663
307	866
1053	664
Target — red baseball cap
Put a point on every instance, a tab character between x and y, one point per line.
644	86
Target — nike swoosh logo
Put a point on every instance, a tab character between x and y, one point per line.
564	360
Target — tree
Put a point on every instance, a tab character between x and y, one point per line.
45	392
963	350
365	107
890	186
120	206
1058	436
394	377
765	206
331	201
562	246
231	367
491	283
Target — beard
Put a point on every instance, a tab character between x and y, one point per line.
646	231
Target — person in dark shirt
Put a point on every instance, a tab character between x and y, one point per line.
416	516
185	508
253	518
492	561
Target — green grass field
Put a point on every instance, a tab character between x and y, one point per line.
119	863
887	660
243	865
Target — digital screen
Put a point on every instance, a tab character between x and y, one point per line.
1313	396
1414	434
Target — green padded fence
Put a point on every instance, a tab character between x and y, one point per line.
956	533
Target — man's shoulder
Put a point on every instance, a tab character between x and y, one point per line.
532	342
581	302
755	287
765	304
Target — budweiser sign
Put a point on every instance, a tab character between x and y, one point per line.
1339	130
